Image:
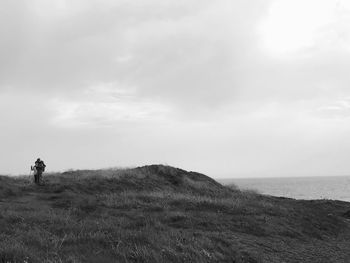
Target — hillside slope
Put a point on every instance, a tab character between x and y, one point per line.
163	214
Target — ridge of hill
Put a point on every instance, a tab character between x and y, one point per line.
159	213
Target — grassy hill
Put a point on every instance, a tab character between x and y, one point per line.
163	214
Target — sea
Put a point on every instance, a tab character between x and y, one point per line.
330	187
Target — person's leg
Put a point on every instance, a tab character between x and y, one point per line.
35	177
40	177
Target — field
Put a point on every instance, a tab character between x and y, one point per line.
163	214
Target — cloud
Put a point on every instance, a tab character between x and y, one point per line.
338	109
198	84
185	52
69	44
292	26
105	105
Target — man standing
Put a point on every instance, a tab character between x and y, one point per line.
38	169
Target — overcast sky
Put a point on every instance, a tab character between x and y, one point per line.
230	88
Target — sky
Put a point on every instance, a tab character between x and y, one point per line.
229	88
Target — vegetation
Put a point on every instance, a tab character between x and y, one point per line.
163	214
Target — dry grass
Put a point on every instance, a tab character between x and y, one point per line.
161	215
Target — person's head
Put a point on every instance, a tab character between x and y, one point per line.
38	160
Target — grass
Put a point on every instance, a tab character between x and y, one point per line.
162	214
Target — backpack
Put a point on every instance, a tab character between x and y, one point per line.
40	166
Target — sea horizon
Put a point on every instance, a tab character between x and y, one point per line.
308	187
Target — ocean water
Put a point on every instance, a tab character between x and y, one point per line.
332	187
